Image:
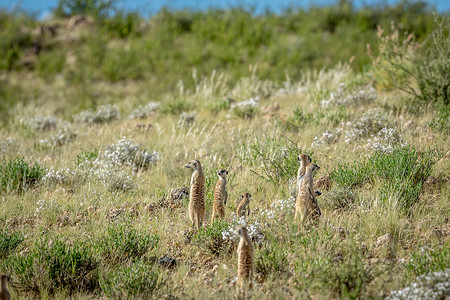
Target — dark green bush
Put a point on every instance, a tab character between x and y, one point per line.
16	175
271	260
54	265
94	8
122	242
9	242
136	280
210	237
401	173
86	157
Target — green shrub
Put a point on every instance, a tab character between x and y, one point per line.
271	260
277	160
94	8
54	265
86	157
136	280
122	242
122	24
9	242
16	175
210	237
401	173
428	66
175	106
50	63
350	176
347	278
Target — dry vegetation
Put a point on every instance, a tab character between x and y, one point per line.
92	204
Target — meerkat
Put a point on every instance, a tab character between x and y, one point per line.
304	160
306	203
196	194
243	208
245	261
220	196
4	293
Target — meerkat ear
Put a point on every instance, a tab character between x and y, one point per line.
226	172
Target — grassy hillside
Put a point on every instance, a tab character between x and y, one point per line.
100	114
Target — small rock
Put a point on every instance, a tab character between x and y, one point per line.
385	245
167	262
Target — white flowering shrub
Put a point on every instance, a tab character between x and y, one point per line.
326	138
433	286
115	179
103	114
385	140
61	176
126	153
382	134
64	136
371	122
361	96
41	123
144	111
245	109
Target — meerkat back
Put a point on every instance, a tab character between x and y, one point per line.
220	196
4	293
243	208
245	262
306	196
304	160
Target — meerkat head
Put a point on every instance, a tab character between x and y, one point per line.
312	167
193	164
304	159
223	173
242	231
246	196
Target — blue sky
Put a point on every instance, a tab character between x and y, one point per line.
149	7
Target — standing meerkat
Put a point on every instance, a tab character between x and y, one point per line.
243	208
306	203
245	262
4	293
196	194
220	196
304	160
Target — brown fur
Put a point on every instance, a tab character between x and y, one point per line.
196	194
220	196
304	160
245	262
243	208
4	293
306	204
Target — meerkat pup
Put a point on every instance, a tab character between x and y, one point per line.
306	202
196	194
245	262
220	196
243	208
4	293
